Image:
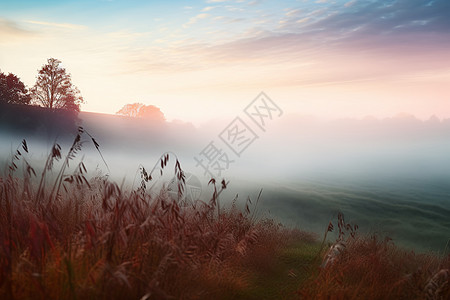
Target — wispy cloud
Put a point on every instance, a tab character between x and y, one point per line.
366	27
234	8
208	8
10	31
57	25
235	43
381	19
350	3
195	19
293	12
372	26
254	2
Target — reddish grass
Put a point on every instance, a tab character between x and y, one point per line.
78	238
373	268
71	237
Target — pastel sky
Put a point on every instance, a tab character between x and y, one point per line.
202	60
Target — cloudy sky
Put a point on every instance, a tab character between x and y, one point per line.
201	60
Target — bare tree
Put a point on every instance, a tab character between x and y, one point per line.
54	89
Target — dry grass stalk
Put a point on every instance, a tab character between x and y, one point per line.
78	237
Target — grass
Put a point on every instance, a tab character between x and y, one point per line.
373	268
68	236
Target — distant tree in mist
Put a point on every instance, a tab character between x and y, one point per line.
139	110
13	90
130	110
54	88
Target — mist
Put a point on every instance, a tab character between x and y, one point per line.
389	176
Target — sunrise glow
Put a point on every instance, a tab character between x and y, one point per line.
323	58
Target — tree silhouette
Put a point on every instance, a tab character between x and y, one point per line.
139	110
54	89
130	110
13	90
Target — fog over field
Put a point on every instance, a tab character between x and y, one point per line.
225	149
390	176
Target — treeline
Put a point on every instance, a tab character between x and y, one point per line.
53	89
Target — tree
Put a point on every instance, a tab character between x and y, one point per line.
130	110
13	90
54	89
139	110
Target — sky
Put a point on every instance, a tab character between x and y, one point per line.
205	60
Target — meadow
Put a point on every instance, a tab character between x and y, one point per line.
68	234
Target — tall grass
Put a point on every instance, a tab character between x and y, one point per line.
370	267
73	237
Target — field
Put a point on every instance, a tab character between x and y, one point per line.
68	235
